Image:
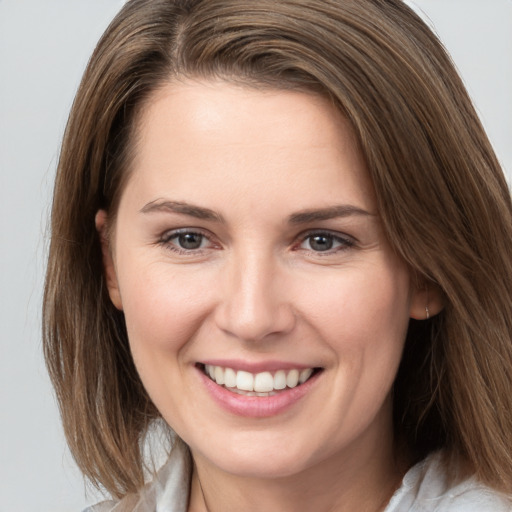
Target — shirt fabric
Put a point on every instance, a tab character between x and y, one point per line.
424	488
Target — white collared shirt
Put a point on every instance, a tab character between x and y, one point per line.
424	488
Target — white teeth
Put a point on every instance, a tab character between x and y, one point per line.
292	379
229	378
244	381
280	379
259	384
219	375
304	375
263	382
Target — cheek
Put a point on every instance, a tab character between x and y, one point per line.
163	310
363	317
358	308
163	313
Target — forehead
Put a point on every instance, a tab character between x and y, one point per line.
220	108
202	133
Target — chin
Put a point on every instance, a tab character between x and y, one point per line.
260	458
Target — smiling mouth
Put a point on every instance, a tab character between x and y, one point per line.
261	384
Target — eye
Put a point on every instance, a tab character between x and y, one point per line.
189	241
184	241
325	242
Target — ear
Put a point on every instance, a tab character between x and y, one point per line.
427	301
101	221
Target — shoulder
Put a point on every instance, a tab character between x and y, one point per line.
104	506
426	488
128	504
167	492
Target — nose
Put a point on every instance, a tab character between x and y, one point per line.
254	303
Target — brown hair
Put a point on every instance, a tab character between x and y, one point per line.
444	203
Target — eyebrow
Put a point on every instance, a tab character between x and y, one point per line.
301	217
182	208
331	212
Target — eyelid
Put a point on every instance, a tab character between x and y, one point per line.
347	241
166	237
170	233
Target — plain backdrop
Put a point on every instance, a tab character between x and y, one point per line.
44	46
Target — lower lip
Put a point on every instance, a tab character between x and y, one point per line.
256	406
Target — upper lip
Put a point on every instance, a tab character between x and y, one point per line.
256	366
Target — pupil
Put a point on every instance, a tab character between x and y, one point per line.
321	243
190	240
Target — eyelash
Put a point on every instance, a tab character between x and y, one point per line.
344	242
169	236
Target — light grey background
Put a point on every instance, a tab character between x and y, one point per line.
44	46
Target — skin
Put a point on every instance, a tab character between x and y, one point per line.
257	290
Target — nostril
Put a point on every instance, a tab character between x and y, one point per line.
255	322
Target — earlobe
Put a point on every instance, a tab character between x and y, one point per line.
101	221
426	302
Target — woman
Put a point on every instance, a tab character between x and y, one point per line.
280	228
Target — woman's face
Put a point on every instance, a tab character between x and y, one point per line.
247	245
